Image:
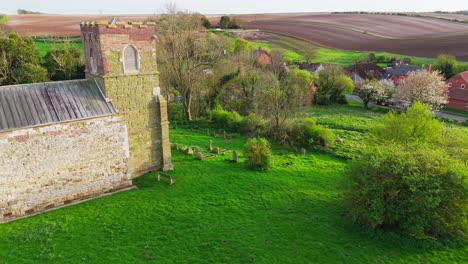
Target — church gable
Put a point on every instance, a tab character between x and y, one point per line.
36	104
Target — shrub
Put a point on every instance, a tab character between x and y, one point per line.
305	131
257	152
226	119
415	188
254	125
175	112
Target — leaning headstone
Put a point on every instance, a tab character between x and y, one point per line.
210	148
176	146
225	138
199	156
216	150
303	151
234	156
189	151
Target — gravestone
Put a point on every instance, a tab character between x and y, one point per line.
199	156
210	148
303	151
189	151
216	150
234	156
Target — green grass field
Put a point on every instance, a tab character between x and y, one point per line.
45	44
3	19
222	212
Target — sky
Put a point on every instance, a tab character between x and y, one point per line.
226	6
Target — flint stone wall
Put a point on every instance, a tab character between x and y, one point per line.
49	166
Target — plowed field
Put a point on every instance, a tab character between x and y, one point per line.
424	37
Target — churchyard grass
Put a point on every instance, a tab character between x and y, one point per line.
222	212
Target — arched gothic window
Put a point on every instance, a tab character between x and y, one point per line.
131	63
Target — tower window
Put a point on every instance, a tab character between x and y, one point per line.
92	61
130	58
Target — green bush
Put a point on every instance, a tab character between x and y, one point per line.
415	188
226	119
257	152
175	112
254	125
305	131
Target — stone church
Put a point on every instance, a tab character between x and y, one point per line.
64	142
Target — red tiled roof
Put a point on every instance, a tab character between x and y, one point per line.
459	94
462	75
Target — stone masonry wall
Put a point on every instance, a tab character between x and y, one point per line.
134	100
49	166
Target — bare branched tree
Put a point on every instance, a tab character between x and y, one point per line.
185	51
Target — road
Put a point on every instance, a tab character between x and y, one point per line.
438	114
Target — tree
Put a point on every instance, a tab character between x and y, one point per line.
185	52
417	125
423	86
332	84
406	179
19	56
225	22
373	91
205	22
447	65
64	62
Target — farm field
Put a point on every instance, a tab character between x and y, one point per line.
394	34
221	212
297	49
59	25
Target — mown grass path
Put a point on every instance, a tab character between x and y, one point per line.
219	212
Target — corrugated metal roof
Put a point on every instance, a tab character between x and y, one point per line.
27	105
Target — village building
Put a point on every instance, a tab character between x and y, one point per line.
401	71
457	87
360	72
64	142
311	67
262	57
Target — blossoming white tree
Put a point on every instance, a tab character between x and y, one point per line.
423	86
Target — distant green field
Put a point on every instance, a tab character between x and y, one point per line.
45	44
3	19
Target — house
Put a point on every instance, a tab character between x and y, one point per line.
364	71
311	67
458	91
401	71
64	142
262	57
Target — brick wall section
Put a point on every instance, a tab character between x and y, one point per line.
458	104
49	166
131	93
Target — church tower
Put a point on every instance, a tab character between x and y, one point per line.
121	57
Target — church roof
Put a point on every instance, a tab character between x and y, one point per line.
28	105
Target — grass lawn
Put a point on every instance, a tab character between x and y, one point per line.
454	111
221	212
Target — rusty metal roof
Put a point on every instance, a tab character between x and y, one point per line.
28	105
